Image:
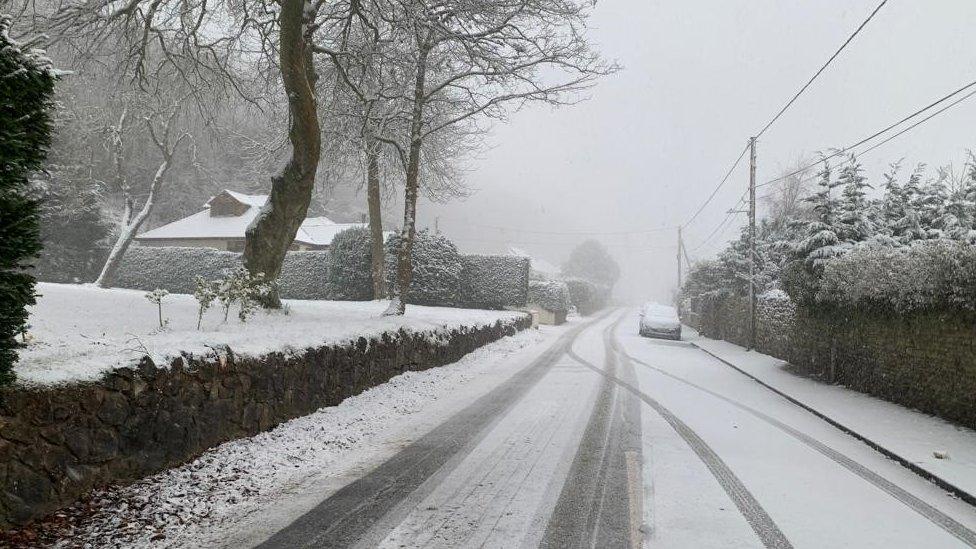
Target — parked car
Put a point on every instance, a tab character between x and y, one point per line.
658	320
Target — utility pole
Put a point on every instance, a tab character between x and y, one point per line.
437	225
752	243
678	257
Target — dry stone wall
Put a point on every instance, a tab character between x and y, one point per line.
924	360
56	443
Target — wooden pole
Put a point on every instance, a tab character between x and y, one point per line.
752	243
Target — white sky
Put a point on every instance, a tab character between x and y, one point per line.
699	78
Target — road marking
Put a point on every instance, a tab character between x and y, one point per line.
635	489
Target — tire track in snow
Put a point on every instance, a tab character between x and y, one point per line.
750	508
351	513
596	507
927	511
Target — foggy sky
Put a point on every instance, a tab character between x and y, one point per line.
699	78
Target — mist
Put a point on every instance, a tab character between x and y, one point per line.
652	141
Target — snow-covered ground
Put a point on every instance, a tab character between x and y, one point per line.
79	332
237	493
911	434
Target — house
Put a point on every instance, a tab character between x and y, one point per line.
225	217
540	267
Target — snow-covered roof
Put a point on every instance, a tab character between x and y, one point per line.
539	265
315	231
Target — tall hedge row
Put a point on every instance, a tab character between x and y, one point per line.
26	90
436	278
494	281
442	277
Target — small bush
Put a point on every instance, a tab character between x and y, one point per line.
494	281
436	269
552	295
350	272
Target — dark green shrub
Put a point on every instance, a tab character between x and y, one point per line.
26	87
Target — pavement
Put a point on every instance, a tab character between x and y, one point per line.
608	439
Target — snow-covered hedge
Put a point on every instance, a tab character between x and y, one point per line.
586	296
304	275
552	295
350	270
929	275
436	276
494	281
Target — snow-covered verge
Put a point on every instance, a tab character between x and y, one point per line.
946	450
217	499
79	332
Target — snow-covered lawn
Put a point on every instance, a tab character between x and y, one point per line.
944	449
79	332
239	492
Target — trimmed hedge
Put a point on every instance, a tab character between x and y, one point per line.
304	275
586	296
473	281
494	281
933	275
350	267
552	295
436	279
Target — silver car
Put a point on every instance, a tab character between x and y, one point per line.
658	320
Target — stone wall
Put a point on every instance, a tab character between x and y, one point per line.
56	443
924	360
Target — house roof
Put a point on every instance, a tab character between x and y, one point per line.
315	231
538	265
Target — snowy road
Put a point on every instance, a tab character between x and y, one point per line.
607	439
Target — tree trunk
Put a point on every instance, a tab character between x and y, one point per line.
375	219
404	271
272	232
129	229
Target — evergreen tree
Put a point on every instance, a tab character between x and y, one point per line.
820	239
26	87
893	203
591	261
855	218
909	226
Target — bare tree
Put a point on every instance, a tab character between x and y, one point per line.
461	61
213	48
161	134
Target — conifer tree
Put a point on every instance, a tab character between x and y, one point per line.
26	86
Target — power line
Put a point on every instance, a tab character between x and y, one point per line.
920	122
728	216
722	182
823	68
886	129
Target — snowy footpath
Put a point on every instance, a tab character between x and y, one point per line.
941	448
77	332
